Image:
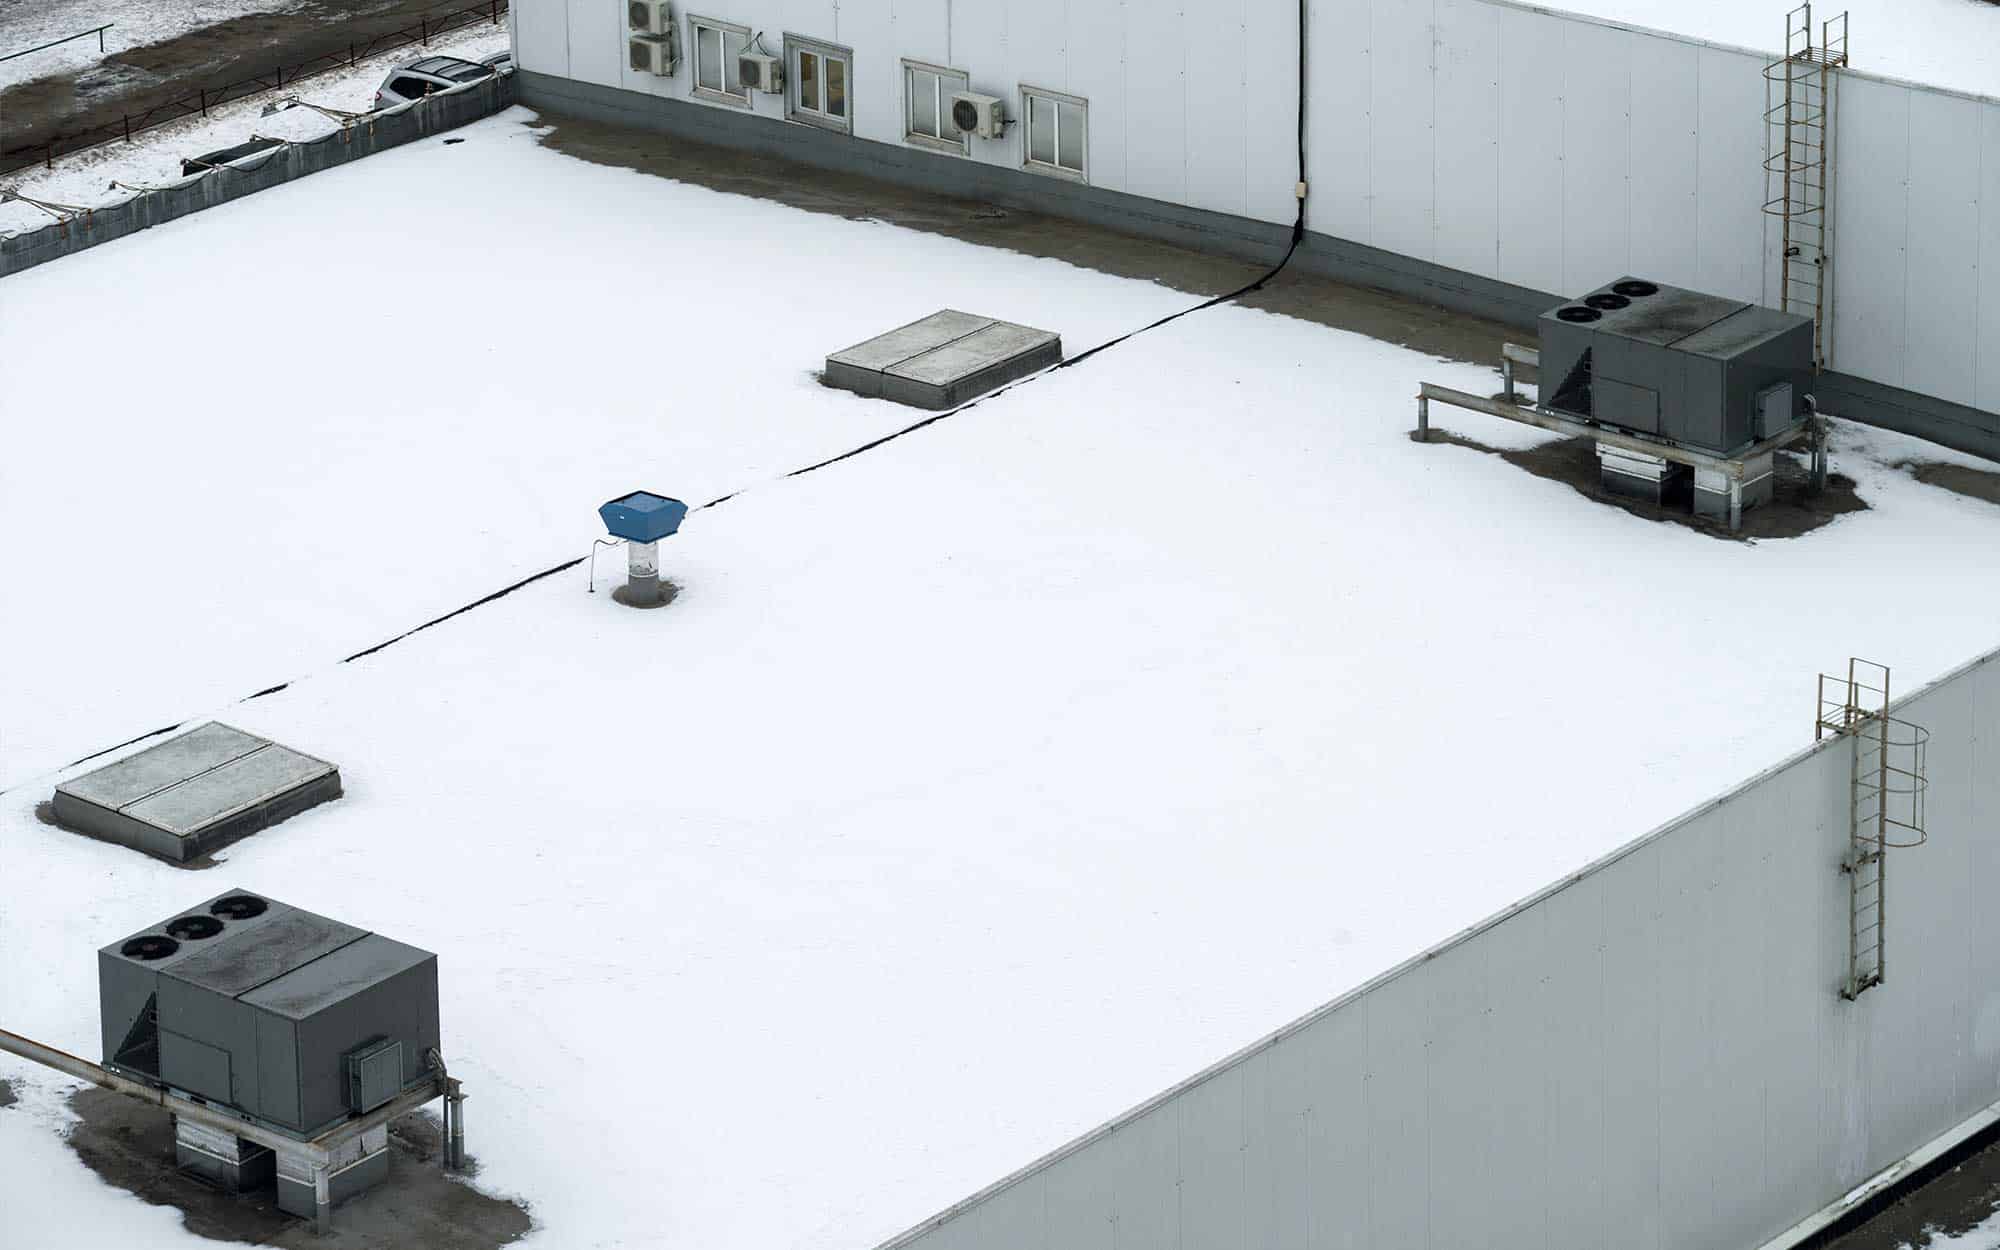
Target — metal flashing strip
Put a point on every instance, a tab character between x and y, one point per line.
1889	1179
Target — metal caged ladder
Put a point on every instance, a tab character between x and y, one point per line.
1798	117
1885	796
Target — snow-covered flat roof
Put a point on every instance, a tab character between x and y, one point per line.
973	790
1945	43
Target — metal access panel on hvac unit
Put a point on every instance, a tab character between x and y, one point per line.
285	1017
942	360
195	793
1700	371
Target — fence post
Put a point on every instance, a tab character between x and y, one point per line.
204	101
496	12
424	25
128	126
350	54
100	38
50	159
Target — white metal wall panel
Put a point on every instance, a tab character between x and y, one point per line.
876	81
1531	157
1571	1073
1596	154
1274	1153
541	37
1339	1193
1097	73
1337	117
1458	1097
1988	343
1271	110
1079	1208
1629	1017
1729	231
1217	106
1513	1040
1664	181
1466	148
1686	918
1039	53
1402	169
597	41
1156	103
1397	1159
1145	1178
1212	1192
922	31
1941	342
1871	225
819	19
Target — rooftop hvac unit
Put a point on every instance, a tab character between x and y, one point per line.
975	114
1697	370
649	17
270	1012
760	72
655	54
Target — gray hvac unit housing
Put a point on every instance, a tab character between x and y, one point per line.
1700	371
290	1019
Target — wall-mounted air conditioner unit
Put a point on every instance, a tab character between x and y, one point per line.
976	114
655	54
649	17
760	72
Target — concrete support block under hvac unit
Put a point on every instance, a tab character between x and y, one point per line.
356	1166
1711	487
195	793
942	360
1634	475
222	1159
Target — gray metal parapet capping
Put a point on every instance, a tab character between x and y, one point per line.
372	133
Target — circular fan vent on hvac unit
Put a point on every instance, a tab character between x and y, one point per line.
965	115
1634	288
194	928
1578	313
638	16
1604	301
150	947
238	907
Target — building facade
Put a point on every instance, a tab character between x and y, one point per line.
1487	155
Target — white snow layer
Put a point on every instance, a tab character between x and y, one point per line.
1945	43
975	789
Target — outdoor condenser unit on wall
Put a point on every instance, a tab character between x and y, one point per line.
655	54
649	17
761	72
1699	371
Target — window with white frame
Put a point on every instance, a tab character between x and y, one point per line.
1056	130
716	46
927	91
820	76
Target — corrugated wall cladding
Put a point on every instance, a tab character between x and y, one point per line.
1651	1054
1539	149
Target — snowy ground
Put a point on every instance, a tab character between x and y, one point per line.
135	23
1947	43
976	787
109	172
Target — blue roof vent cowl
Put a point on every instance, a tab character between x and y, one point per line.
643	517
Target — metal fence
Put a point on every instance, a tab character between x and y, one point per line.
198	102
